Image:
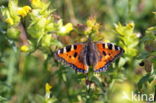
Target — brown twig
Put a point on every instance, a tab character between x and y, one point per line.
23	35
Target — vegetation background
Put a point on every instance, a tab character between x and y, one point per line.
31	30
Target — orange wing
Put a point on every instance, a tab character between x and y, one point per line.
108	53
70	55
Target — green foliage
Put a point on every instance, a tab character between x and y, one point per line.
129	45
36	21
30	31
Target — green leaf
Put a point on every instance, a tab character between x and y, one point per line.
143	80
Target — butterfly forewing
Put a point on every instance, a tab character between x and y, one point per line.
70	55
108	53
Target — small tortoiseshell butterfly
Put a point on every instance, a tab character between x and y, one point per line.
80	56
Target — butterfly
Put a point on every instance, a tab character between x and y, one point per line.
81	56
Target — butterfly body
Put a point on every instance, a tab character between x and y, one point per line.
81	56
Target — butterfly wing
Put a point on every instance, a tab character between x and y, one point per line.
70	55
108	53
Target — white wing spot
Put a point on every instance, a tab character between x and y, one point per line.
72	47
113	47
64	50
118	48
58	52
106	45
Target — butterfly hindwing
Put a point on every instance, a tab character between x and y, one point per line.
108	52
70	55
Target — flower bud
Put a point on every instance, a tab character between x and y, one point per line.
16	19
9	21
91	22
35	31
50	27
46	41
130	25
41	23
13	33
24	48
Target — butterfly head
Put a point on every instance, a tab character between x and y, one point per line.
89	39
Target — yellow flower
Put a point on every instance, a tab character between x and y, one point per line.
48	87
23	11
92	26
69	27
130	25
35	1
66	29
9	21
24	48
37	4
91	22
27	8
